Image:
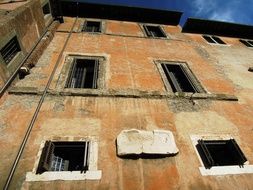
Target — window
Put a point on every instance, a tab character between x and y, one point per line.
248	43
180	78
46	9
220	153
92	26
64	156
213	39
9	51
83	74
154	31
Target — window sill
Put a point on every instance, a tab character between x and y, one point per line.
226	170
64	175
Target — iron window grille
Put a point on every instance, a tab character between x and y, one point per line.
220	153
179	78
11	49
83	74
248	43
92	26
213	39
154	31
64	156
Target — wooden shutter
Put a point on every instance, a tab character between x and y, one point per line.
86	157
240	156
46	157
209	160
189	78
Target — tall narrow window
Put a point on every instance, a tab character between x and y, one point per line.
220	153
92	26
83	74
180	80
248	43
213	39
64	156
154	31
9	51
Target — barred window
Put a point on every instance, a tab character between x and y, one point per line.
11	49
92	26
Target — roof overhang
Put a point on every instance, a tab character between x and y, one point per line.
116	12
201	26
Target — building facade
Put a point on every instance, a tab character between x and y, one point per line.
112	71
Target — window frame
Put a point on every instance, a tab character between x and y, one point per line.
214	40
66	69
192	79
91	174
146	32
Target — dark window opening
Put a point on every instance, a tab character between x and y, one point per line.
248	43
92	26
213	39
154	31
9	51
178	78
83	74
64	156
46	9
220	153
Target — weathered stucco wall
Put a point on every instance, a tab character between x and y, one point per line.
26	21
130	68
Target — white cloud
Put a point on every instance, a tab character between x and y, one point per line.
216	9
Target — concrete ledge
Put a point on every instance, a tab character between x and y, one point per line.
124	94
157	142
64	175
226	170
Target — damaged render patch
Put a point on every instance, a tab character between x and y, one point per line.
137	142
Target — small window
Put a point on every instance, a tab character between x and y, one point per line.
92	26
46	9
154	31
248	43
83	74
179	78
213	39
64	156
220	153
9	51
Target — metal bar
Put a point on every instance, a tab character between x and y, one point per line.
94	82
30	127
83	77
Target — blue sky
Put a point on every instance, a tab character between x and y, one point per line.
238	11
